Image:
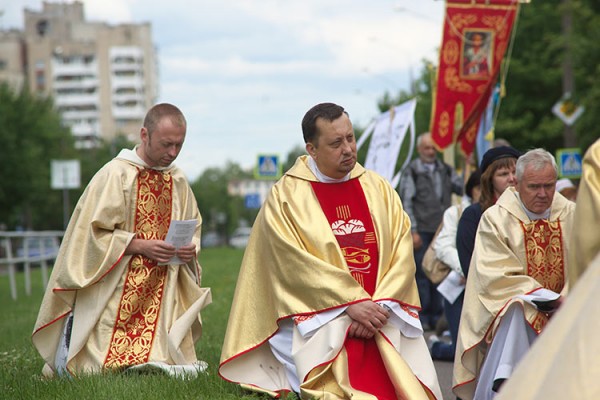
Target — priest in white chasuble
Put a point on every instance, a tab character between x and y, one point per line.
119	295
586	235
563	363
517	279
326	303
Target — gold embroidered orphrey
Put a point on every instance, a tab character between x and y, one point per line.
138	312
545	258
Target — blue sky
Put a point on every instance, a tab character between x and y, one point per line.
245	72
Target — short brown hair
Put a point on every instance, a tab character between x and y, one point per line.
328	111
160	111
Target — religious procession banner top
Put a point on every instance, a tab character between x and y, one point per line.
475	38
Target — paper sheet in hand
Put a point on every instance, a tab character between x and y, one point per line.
180	234
451	287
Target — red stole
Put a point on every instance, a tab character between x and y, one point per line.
346	209
138	312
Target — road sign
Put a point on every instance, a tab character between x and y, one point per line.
267	167
567	110
65	174
569	163
252	201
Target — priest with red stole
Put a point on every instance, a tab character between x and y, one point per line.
326	303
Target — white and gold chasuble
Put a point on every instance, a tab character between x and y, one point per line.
563	363
295	267
585	241
126	309
512	256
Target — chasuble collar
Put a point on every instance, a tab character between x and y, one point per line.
131	156
510	201
301	170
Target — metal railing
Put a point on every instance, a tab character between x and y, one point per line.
26	249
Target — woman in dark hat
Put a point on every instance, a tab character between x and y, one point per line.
497	173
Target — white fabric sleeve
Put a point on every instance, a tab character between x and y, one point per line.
281	347
409	325
404	321
445	243
308	327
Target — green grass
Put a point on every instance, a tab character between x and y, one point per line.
21	365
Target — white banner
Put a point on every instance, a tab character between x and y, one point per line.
389	131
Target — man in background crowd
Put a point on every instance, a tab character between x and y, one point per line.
426	191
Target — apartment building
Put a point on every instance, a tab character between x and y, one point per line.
102	77
12	58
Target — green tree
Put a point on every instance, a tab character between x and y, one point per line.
221	212
534	81
534	77
92	159
586	50
296	152
31	135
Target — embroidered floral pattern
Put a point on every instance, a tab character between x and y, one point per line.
137	316
544	251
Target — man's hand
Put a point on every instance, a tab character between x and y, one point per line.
360	331
417	241
157	250
187	253
367	318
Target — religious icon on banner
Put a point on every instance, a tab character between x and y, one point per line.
477	55
476	35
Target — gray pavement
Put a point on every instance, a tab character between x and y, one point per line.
444	373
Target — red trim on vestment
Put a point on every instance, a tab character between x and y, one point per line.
488	331
51	322
275	332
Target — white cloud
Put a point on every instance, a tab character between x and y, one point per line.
244	72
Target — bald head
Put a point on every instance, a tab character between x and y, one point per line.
426	148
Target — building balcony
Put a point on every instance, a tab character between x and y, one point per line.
89	142
131	68
77	83
125	53
66	100
121	82
82	129
128	113
74	69
127	98
76	115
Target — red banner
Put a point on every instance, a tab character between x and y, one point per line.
476	36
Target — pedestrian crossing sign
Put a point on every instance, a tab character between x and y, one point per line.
569	163
267	167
